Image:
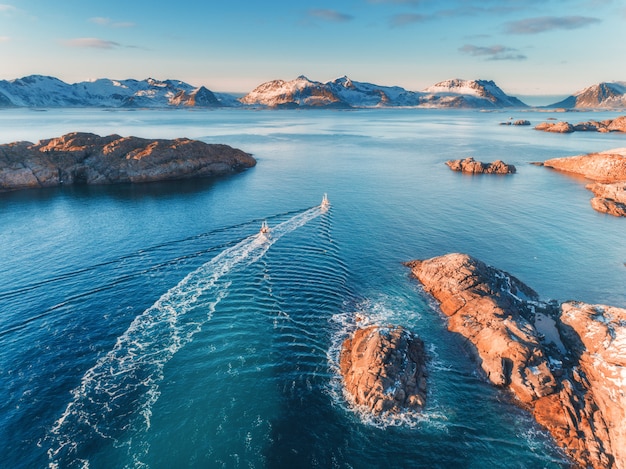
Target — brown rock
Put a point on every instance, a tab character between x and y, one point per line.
608	169
84	158
556	127
608	166
469	165
569	371
383	369
617	125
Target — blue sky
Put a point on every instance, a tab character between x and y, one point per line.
528	47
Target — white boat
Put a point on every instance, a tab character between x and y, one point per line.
264	228
325	202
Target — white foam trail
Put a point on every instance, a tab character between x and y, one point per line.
124	383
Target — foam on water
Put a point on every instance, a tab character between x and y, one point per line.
383	310
117	394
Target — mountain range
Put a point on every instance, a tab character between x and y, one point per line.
45	91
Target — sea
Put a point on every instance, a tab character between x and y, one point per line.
153	326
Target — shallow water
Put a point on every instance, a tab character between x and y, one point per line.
151	326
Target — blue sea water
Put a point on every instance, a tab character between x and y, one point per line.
152	326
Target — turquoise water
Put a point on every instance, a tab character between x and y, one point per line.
152	326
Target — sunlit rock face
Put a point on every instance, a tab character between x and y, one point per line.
384	369
608	169
84	158
471	166
565	363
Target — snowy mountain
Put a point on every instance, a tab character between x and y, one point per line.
603	95
44	91
469	94
345	93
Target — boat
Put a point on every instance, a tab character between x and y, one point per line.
264	228
325	202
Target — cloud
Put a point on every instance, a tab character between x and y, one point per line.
406	19
4	39
4	8
91	42
496	52
330	15
548	23
102	21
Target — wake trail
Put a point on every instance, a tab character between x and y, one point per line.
117	394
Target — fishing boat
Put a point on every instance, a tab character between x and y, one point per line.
264	228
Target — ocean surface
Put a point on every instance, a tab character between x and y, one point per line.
152	326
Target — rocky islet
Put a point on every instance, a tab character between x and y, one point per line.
384	369
608	171
564	362
85	158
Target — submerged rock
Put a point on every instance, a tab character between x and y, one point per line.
565	363
469	165
383	369
85	158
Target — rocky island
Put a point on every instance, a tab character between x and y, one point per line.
564	362
384	369
471	166
608	171
85	158
610	125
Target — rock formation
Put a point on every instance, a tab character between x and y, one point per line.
84	158
608	169
556	127
516	122
383	369
610	125
565	363
469	165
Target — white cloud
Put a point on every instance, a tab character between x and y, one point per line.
329	15
91	42
497	52
548	23
4	39
5	8
103	21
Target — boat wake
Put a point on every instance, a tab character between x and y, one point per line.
117	394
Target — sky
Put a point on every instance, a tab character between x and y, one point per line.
528	47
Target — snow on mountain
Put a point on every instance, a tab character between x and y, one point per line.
602	95
343	92
294	93
470	93
44	91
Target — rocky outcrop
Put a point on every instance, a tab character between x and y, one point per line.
610	125
608	169
383	369
469	165
565	363
609	198
555	127
516	122
84	158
